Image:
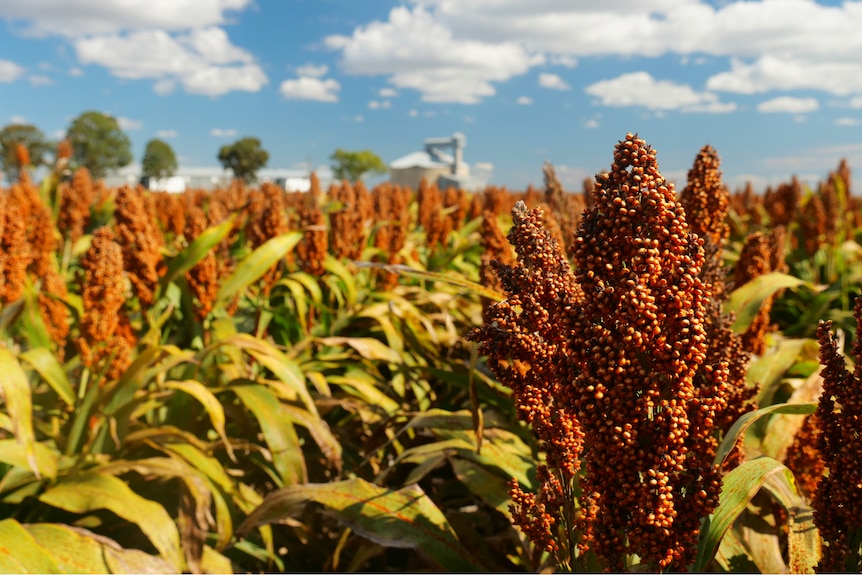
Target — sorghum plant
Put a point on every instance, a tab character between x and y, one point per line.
602	362
203	276
268	222
761	254
103	293
706	201
15	254
312	249
838	498
75	201
141	241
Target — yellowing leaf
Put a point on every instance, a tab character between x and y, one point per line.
406	518
90	491
19	405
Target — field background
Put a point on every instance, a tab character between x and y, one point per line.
253	380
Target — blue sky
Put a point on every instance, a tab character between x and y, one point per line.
774	85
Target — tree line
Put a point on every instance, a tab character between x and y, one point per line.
99	144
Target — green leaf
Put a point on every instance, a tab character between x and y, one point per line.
286	370
256	264
19	404
277	429
14	453
745	301
406	518
77	550
491	487
738	488
367	347
46	364
197	250
33	325
348	278
210	402
20	553
736	432
86	492
459	281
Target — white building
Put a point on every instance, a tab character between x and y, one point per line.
212	177
435	165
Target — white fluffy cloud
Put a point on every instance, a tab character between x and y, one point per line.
641	89
94	17
129	124
309	88
418	52
456	50
174	43
525	100
552	82
166	134
10	71
223	133
788	105
203	61
312	70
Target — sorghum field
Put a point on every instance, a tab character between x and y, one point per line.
631	377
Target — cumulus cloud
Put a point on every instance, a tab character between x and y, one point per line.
379	105
786	73
309	88
525	100
202	61
387	93
788	105
456	50
166	134
847	121
312	70
93	17
418	52
10	71
223	133
129	124
39	80
641	89
552	82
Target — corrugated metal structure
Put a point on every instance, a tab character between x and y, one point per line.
436	165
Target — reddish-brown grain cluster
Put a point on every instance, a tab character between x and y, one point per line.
103	293
349	225
14	248
392	221
312	249
138	235
762	253
803	457
75	201
706	202
203	276
838	500
603	363
649	429
267	222
526	338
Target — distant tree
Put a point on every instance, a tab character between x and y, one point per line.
353	165
98	143
244	158
31	138
159	160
